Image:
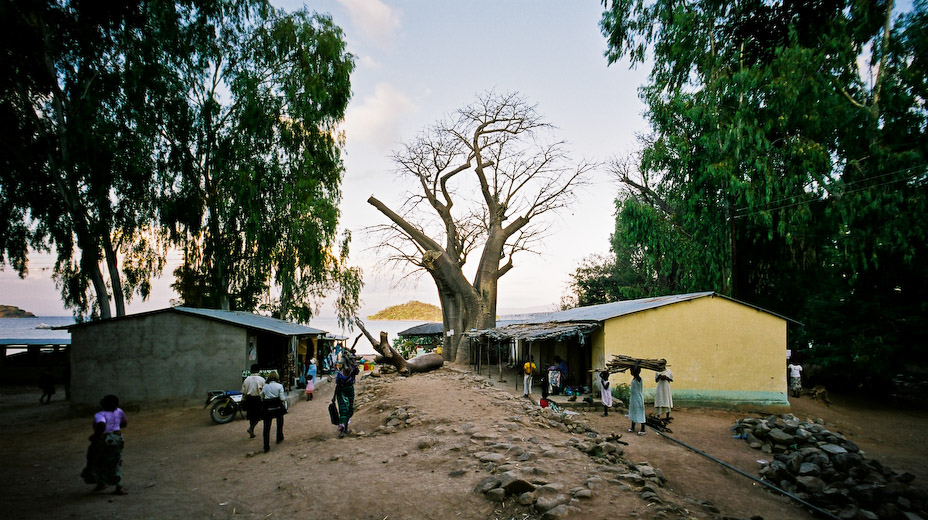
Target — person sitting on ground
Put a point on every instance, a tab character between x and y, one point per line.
636	400
104	456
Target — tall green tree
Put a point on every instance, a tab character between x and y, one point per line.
77	173
254	163
787	161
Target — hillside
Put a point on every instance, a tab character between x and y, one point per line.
9	311
413	310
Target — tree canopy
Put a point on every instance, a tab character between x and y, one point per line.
786	165
254	165
211	126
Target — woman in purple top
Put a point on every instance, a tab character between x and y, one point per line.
104	456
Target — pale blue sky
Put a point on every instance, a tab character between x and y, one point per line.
419	60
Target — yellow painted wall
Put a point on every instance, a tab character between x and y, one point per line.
716	349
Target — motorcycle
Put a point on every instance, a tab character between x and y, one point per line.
225	404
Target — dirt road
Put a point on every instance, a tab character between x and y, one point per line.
420	447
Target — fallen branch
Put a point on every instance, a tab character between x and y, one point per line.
389	355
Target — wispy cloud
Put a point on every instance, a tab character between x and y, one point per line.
376	119
374	19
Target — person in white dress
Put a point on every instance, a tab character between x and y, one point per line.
606	392
663	398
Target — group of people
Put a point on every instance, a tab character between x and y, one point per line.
263	400
663	398
556	377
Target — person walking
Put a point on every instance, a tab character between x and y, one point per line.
47	384
311	379
606	392
528	370
663	398
344	396
636	401
104	456
273	401
251	389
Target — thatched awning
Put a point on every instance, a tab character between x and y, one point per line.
537	331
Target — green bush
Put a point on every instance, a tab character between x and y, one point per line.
620	392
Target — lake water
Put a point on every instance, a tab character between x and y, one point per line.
37	328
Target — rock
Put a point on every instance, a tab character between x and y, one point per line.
781	437
832	449
486	484
595	483
552	489
582	493
514	484
457	473
526	499
809	468
495	458
546	503
560	511
496	495
811	484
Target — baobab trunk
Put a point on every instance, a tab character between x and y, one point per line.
389	355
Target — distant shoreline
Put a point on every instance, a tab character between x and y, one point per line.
10	311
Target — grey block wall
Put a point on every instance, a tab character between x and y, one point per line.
156	358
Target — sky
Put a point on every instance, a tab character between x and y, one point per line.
418	61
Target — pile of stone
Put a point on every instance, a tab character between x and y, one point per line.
829	471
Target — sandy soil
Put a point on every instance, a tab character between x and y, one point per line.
178	464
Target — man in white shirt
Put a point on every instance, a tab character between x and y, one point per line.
251	390
795	378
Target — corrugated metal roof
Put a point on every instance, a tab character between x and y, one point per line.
253	321
607	311
425	329
240	318
581	321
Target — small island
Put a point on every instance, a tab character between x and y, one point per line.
9	311
413	310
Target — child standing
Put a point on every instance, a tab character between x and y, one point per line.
606	392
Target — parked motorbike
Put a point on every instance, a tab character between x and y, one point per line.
225	404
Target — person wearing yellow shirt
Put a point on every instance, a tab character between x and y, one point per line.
528	370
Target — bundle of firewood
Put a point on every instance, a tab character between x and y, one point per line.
621	363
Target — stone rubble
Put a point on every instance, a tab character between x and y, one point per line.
829	471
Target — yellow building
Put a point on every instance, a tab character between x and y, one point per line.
722	352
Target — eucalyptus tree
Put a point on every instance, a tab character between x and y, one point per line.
77	173
483	181
253	158
787	159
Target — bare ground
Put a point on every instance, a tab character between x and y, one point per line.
178	464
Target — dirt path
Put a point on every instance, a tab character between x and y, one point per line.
421	446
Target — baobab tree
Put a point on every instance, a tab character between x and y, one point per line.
484	179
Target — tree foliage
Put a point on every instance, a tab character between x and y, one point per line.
786	166
209	125
483	181
254	163
77	172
